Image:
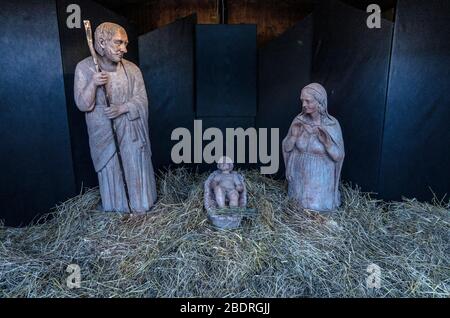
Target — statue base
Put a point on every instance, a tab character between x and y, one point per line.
229	218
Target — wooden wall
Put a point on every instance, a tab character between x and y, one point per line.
156	13
272	17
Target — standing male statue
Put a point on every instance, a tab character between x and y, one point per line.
129	112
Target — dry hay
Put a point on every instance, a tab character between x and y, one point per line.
284	252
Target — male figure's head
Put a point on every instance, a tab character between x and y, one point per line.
111	41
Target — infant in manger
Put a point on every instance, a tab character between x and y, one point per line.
225	188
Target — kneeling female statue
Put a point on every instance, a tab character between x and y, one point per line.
313	153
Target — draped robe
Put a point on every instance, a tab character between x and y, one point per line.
313	169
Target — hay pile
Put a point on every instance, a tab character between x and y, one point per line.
281	253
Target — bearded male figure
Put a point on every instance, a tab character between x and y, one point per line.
129	112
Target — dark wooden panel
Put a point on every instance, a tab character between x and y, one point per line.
226	70
36	159
167	64
284	68
351	61
416	145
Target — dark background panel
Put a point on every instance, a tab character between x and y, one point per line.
226	78
167	64
223	123
284	68
36	157
351	61
416	146
74	48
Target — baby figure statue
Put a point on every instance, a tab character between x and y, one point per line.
225	189
227	185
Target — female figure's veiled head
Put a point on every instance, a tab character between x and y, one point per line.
314	99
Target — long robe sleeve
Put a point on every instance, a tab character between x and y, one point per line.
81	82
336	150
138	104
